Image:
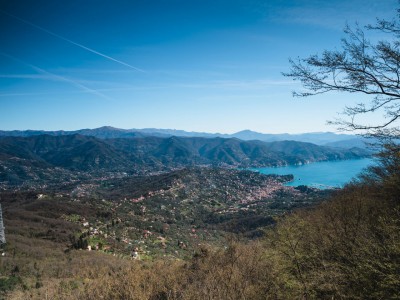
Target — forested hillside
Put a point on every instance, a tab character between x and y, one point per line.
41	159
345	248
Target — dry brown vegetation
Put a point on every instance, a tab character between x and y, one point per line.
346	248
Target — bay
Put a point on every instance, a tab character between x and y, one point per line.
321	174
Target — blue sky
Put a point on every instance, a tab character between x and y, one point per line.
196	65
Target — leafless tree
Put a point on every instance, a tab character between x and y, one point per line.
360	66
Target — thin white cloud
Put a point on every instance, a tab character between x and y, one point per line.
332	15
27	94
72	42
249	85
216	84
27	76
236	84
51	76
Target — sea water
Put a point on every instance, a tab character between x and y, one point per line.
321	174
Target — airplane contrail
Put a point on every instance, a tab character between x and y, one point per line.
72	42
57	77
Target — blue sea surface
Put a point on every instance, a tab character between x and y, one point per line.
321	174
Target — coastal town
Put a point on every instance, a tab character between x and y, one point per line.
174	212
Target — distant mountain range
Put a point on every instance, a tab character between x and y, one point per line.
36	156
107	132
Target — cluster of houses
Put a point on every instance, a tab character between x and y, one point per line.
227	194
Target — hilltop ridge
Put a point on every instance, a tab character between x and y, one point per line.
105	132
44	157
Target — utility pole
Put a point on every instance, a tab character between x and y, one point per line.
2	234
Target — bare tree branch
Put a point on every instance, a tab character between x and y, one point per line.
372	69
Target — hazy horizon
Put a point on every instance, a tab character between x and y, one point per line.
188	131
202	66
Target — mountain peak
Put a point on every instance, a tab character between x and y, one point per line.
246	131
107	128
106	132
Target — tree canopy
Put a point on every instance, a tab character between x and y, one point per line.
361	66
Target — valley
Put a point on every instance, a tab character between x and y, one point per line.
42	160
79	209
190	206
